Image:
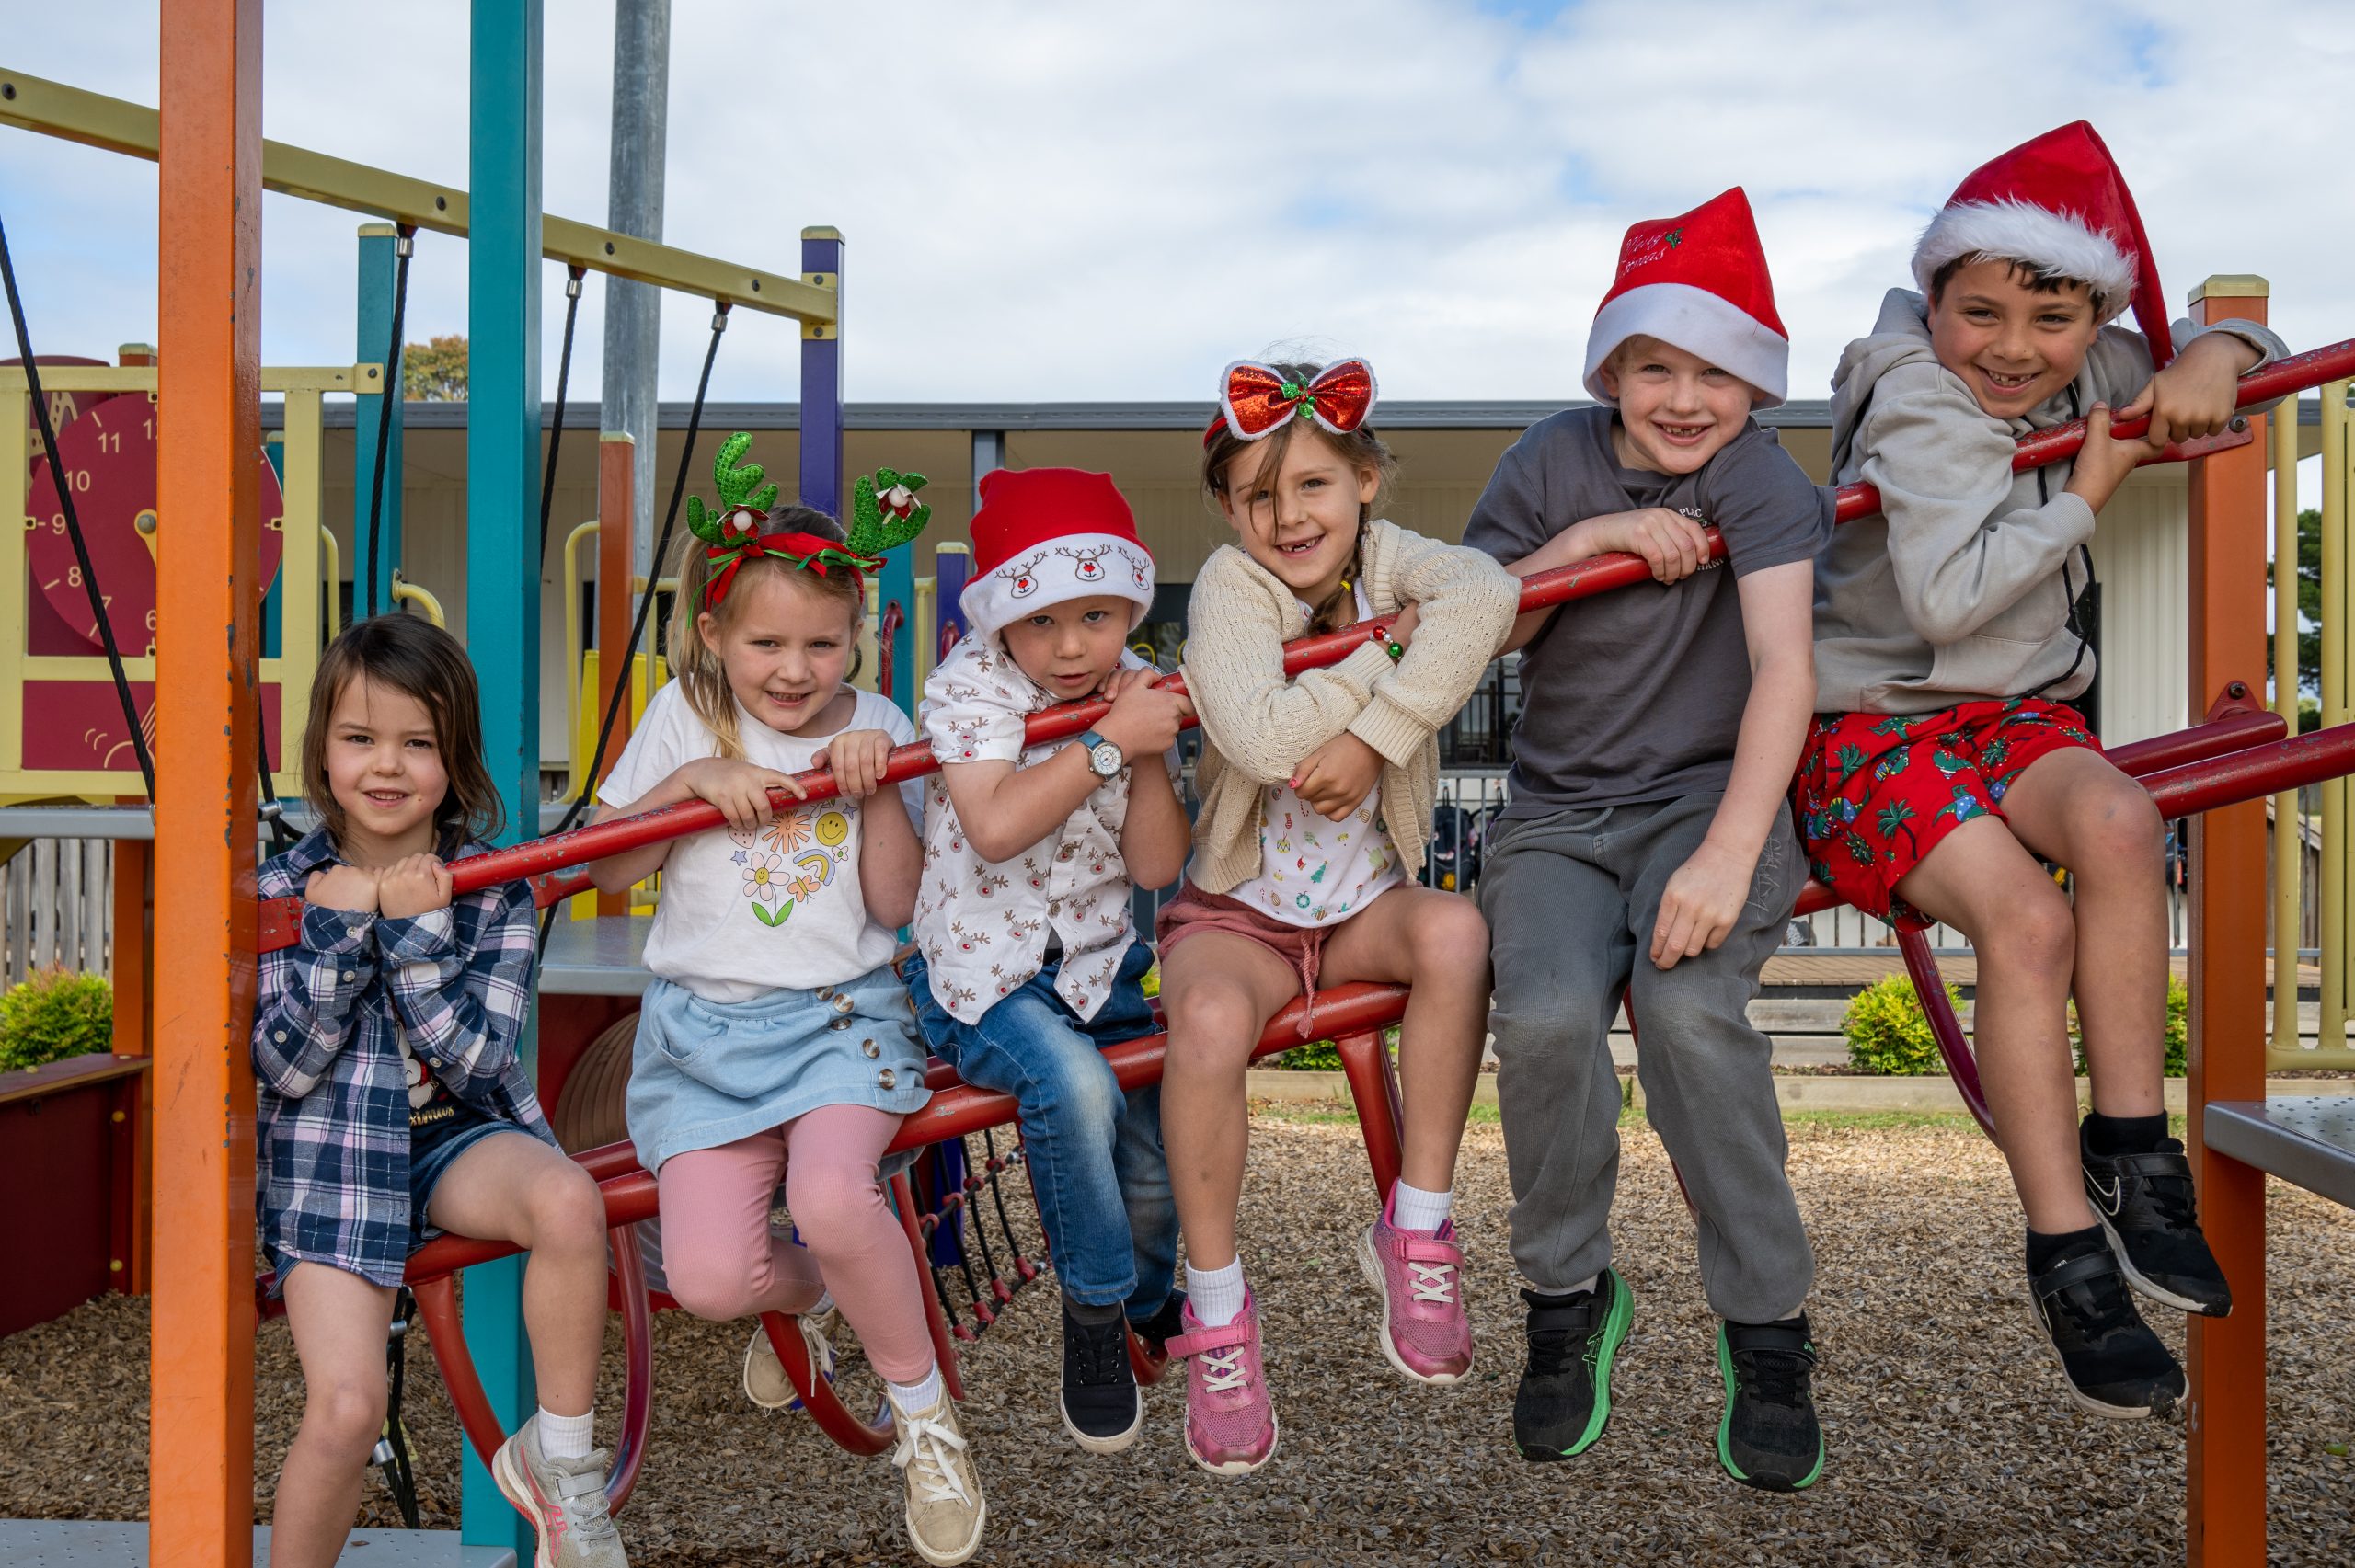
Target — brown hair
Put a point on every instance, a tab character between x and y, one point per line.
1362	449
2026	274
693	664
417	660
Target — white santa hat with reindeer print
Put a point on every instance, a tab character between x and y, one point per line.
2058	204
1046	535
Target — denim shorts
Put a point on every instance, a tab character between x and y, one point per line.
432	1150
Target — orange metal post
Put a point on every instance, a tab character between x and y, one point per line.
2224	1515
209	405
616	522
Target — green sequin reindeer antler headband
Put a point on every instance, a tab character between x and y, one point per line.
885	516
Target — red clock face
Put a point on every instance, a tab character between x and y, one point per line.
108	456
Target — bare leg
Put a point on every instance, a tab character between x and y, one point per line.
1978	880
2074	807
1438	944
1217	991
340	1321
515	1188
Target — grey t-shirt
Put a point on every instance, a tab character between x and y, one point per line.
1636	694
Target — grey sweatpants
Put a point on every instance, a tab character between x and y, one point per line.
1570	900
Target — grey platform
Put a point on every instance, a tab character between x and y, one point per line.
75	1543
604	957
2308	1140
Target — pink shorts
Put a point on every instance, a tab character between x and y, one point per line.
1193	912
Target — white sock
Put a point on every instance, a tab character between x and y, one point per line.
1412	1209
1588	1283
565	1437
911	1398
1215	1294
821	1307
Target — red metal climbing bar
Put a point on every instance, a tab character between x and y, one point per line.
540	858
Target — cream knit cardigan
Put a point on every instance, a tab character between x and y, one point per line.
1258	726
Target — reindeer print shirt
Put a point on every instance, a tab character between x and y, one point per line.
744	914
982	925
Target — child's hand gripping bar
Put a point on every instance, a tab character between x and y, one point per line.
540	859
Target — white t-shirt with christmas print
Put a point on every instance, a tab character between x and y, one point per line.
1315	871
985	927
745	914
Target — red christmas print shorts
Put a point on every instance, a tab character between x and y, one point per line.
1874	794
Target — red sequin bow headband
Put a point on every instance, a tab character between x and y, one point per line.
809	551
1254	400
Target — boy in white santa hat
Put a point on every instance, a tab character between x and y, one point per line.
1648	849
1029	961
1946	767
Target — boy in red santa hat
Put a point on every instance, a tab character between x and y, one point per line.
1946	767
1647	847
1029	961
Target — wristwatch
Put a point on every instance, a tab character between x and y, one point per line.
1104	758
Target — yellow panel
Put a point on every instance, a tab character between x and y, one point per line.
97	121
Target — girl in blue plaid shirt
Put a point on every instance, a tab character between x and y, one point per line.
392	1103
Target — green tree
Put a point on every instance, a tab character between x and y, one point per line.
435	372
2309	617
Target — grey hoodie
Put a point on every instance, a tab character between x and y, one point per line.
1959	589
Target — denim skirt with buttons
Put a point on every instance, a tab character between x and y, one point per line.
707	1073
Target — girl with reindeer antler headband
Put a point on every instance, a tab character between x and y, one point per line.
775	1039
1314	795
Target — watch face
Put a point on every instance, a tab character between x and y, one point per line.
1104	760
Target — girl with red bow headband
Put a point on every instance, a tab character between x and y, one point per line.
1314	794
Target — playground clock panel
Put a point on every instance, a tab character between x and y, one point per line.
108	456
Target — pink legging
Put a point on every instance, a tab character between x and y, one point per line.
723	1261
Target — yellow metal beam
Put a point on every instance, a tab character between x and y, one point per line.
116	125
141	378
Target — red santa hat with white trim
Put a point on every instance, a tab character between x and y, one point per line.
2058	204
1045	535
1696	282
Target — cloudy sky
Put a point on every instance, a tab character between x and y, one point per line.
1077	202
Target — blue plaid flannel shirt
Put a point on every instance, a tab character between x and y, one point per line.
332	1106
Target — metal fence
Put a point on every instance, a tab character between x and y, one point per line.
58	898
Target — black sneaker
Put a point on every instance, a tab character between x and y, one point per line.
1564	1401
2145	1206
1158	1330
1102	1407
1769	1436
2114	1364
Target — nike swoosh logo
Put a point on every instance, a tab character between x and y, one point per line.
2108	1196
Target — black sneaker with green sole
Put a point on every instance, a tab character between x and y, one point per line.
1564	1401
1769	1436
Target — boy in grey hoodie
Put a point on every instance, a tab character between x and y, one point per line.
1945	764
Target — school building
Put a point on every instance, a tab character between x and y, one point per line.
1446	450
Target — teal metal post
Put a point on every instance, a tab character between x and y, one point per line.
503	585
378	265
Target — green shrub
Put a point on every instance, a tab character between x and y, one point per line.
55	1014
2178	1028
1889	1033
1323	1056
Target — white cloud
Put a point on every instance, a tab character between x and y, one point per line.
1068	201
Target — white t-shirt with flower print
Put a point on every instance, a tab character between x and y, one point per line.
744	914
1315	871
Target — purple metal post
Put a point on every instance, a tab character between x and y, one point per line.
821	379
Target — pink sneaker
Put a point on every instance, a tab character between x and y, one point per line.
1230	1420
1420	1276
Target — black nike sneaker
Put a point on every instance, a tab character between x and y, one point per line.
2146	1209
1103	1408
1158	1330
2114	1364
1769	1436
1564	1401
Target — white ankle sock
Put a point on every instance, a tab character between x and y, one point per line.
914	1396
1588	1283
821	1307
1215	1294
1412	1209
565	1437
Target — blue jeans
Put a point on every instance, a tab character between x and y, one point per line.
1095	1154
